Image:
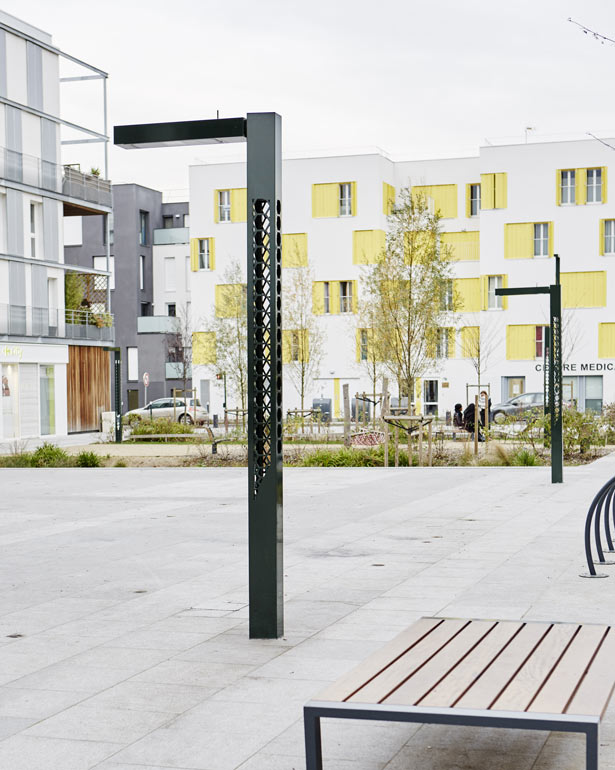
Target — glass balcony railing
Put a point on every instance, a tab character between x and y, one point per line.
175	371
168	235
28	321
157	324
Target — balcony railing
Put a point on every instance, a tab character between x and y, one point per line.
168	235
30	170
157	324
175	371
28	321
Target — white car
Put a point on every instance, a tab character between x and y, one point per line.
185	410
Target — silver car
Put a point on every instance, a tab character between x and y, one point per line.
185	410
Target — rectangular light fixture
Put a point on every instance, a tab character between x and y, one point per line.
186	132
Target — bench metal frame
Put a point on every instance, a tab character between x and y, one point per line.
314	711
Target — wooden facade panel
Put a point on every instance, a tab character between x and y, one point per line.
88	387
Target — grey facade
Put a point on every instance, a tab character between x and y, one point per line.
132	297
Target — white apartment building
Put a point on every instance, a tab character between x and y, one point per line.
43	341
504	214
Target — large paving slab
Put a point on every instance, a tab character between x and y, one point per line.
123	615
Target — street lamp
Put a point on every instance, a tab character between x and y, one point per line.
262	132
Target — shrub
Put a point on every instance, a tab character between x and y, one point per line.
87	460
119	464
159	425
525	457
346	457
50	456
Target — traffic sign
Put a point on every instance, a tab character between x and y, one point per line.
146	379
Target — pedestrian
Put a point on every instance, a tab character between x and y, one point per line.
458	416
469	419
485	403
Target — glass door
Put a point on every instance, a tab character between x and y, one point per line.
47	400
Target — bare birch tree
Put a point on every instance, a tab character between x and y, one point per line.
179	346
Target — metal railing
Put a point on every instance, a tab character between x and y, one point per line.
89	325
28	321
599	522
86	187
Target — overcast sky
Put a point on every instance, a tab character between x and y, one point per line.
417	79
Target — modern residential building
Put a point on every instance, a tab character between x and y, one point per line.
149	247
54	319
504	214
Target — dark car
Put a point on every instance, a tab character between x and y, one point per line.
518	405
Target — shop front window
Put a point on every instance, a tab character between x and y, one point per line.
10	401
48	400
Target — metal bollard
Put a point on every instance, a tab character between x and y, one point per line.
215	420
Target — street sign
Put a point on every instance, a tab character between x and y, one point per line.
146	379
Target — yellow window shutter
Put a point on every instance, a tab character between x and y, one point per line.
229	300
444	197
465	246
551	228
504	286
367	245
294	250
336	398
216	206
469	341
287	341
355	296
358	334
484	291
304	345
334	297
606	340
388	198
601	236
467	291
604	184
580	186
318	298
353	202
239	204
194	254
451	342
519	240
325	200
212	253
558	187
468	200
487	191
584	289
203	348
521	342
501	190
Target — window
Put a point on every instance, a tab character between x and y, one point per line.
187	274
142	272
33	229
567	189
442	344
493	301
327	297
224	205
47	400
594	185
609	236
167	221
541	339
169	273
171	310
100	263
204	254
345	296
145	308
447	298
345	199
430	397
143	222
363	342
186	220
541	239
107	218
474	200
133	363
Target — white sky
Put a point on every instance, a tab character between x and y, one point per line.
418	79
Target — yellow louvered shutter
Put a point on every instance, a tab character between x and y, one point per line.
470	336
212	253
355	296
287	342
580	186
353	202
521	342
358	337
465	246
239	204
467	291
304	346
294	250
519	240
504	286
558	187
606	340
318	297
484	292
468	201
367	245
216	206
487	191
451	342
501	190
444	198
334	297
194	254
230	300
584	289
336	397
551	234
604	184
388	198
326	200
601	237
203	348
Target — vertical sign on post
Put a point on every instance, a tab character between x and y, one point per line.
145	385
265	526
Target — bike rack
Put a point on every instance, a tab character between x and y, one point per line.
602	510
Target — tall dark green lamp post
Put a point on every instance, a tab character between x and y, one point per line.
263	134
553	397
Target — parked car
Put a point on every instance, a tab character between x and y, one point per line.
185	410
518	405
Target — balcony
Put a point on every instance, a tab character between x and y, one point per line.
169	235
175	371
27	321
157	324
70	181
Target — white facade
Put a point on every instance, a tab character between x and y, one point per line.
527	191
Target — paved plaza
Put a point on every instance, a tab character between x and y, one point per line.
123	627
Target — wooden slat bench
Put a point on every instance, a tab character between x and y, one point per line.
485	673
